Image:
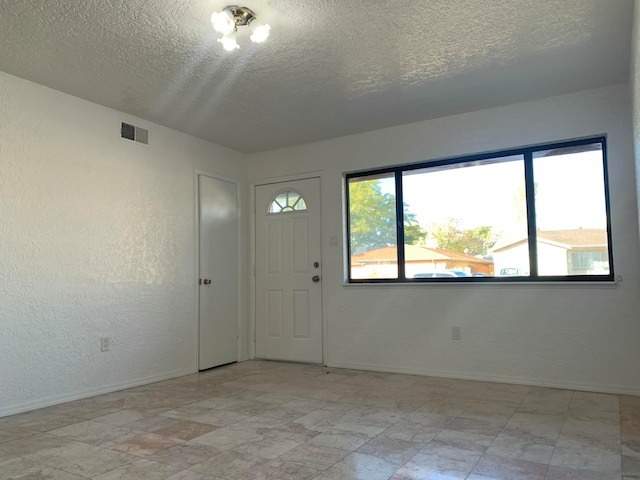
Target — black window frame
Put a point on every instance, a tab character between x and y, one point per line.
528	155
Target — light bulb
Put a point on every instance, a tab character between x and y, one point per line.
222	22
229	42
260	31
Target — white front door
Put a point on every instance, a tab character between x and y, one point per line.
218	331
288	271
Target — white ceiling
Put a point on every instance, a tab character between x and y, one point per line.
330	67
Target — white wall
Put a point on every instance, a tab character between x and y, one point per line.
634	83
562	335
96	238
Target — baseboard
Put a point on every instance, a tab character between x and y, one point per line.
58	399
599	388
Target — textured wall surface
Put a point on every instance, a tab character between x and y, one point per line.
582	336
97	238
330	68
634	83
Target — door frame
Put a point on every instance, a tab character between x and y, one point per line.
196	285
253	255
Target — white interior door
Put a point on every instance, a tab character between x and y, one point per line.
218	332
288	271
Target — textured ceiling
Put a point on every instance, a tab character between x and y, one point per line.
330	67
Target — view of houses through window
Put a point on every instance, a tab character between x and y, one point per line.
533	214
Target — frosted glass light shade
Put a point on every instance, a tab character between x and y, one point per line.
222	22
260	31
229	42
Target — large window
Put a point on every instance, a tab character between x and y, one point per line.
529	214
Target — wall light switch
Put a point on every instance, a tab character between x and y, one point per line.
456	333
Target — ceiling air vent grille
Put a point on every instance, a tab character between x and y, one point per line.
137	134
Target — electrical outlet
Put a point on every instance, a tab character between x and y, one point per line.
456	333
104	344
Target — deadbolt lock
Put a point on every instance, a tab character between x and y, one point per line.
316	264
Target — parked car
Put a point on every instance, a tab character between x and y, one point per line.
510	272
442	274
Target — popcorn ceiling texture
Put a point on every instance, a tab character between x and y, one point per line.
97	240
329	69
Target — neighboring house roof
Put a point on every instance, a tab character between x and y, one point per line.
416	253
575	238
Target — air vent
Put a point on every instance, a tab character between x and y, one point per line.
137	134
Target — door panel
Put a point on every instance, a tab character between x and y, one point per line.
288	301
218	332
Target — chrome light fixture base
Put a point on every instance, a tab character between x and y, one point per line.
242	16
230	18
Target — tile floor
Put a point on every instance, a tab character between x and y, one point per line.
279	421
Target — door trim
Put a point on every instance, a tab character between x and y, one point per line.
196	174
252	256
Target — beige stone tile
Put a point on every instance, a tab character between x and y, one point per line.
218	418
567	473
589	434
81	459
217	402
261	422
290	418
428	419
543	426
227	438
10	432
357	466
588	401
151	423
391	449
546	401
94	433
339	439
145	444
416	472
50	422
462	446
291	431
411	432
141	469
487	427
23	469
323	417
631	458
185	454
502	468
523	446
315	456
443	407
187	412
191	475
185	430
279	470
269	447
228	465
357	425
121	417
588	458
32	444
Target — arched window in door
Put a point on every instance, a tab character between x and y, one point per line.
287	201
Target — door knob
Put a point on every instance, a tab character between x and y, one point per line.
315	279
207	281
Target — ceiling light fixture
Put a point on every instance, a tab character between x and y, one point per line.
228	20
